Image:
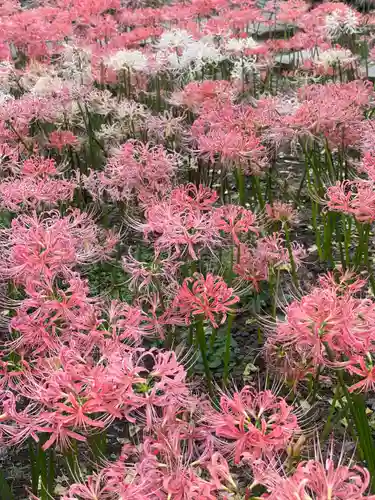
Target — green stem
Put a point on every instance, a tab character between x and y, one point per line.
328	424
291	258
201	340
367	258
71	458
259	192
98	445
275	294
228	344
241	186
347	221
213	338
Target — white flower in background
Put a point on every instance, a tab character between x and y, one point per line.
192	57
174	39
240	44
287	104
341	23
333	57
76	64
6	73
131	59
101	102
48	85
112	132
244	67
201	52
130	109
4	97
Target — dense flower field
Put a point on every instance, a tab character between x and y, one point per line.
187	199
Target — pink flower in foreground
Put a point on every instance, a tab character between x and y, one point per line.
209	297
328	327
253	424
320	480
47	245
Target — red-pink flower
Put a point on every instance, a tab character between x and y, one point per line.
328	327
209	297
48	245
355	198
59	139
364	368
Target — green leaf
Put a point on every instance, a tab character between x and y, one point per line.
5	490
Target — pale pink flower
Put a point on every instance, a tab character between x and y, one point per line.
273	249
251	265
36	185
148	276
135	168
183	223
368	165
280	211
319	479
235	220
253	424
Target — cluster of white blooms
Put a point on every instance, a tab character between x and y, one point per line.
287	104
178	51
76	64
48	85
4	97
244	67
133	60
240	44
334	57
341	23
174	39
111	132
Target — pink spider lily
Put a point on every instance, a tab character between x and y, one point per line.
208	297
320	480
50	245
329	327
355	198
135	168
185	222
363	367
253	424
234	220
280	211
